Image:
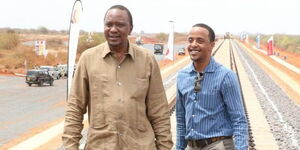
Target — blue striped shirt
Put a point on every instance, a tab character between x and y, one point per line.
216	110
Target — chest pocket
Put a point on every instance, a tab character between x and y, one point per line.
100	92
210	92
100	87
210	98
140	88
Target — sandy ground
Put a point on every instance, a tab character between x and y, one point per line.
30	134
293	59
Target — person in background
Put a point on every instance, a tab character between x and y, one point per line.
120	86
209	110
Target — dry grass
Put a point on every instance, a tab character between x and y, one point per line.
13	60
9	40
13	54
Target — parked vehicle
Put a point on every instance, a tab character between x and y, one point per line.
63	69
52	71
38	77
181	51
158	48
138	40
227	35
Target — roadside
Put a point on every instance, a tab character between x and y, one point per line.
29	134
287	79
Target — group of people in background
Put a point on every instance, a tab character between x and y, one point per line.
119	85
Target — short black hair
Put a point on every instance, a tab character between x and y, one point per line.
121	7
211	32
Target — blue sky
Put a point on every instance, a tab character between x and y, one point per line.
235	16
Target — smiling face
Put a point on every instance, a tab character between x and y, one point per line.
117	28
200	46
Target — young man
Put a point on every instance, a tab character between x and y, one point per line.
209	109
120	84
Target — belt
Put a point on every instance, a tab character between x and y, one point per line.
204	142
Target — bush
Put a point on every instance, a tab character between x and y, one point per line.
13	60
54	43
88	41
9	40
42	30
162	37
289	43
62	57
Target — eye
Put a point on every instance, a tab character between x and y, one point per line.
120	25
108	25
200	41
190	40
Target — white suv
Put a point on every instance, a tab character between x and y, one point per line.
52	71
63	69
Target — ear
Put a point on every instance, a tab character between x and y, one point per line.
212	44
131	27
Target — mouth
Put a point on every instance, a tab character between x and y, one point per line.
114	37
194	52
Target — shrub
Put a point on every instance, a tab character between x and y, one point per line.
42	30
88	41
54	43
9	40
289	43
162	37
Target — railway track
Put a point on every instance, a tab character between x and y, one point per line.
280	111
233	66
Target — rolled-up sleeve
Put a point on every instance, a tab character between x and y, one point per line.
76	107
157	108
180	119
232	98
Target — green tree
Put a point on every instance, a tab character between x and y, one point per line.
43	30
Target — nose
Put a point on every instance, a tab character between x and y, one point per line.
194	43
114	28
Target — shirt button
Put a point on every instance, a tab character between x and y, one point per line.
119	83
195	101
192	129
193	115
119	66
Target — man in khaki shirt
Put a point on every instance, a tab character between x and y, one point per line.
120	84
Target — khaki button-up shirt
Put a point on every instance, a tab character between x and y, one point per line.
126	101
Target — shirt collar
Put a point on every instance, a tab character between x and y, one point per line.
211	67
107	51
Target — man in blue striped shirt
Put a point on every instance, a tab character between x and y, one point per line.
209	110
